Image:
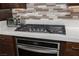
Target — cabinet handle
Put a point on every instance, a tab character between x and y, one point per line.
75	48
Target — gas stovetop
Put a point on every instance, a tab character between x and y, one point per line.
55	29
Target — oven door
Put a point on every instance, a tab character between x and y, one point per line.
31	50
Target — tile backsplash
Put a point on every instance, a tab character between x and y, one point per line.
44	11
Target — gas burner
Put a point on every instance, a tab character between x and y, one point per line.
55	29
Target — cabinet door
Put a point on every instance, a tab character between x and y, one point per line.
70	49
5	14
2	46
8	46
3	6
71	52
17	5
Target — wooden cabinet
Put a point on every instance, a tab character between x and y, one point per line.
72	4
5	14
6	9
69	49
7	46
12	5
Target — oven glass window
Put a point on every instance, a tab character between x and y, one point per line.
45	44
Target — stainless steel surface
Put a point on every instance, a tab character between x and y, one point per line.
33	45
38	49
55	29
11	22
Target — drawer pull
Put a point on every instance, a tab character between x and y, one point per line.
75	48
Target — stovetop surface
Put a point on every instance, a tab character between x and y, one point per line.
57	29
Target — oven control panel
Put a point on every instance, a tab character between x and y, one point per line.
55	29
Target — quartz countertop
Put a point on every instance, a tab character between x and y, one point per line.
71	26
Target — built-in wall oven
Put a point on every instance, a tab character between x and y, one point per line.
37	47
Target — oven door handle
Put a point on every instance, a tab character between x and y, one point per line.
37	49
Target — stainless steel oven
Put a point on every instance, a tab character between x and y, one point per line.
37	47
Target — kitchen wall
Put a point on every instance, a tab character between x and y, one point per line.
46	11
